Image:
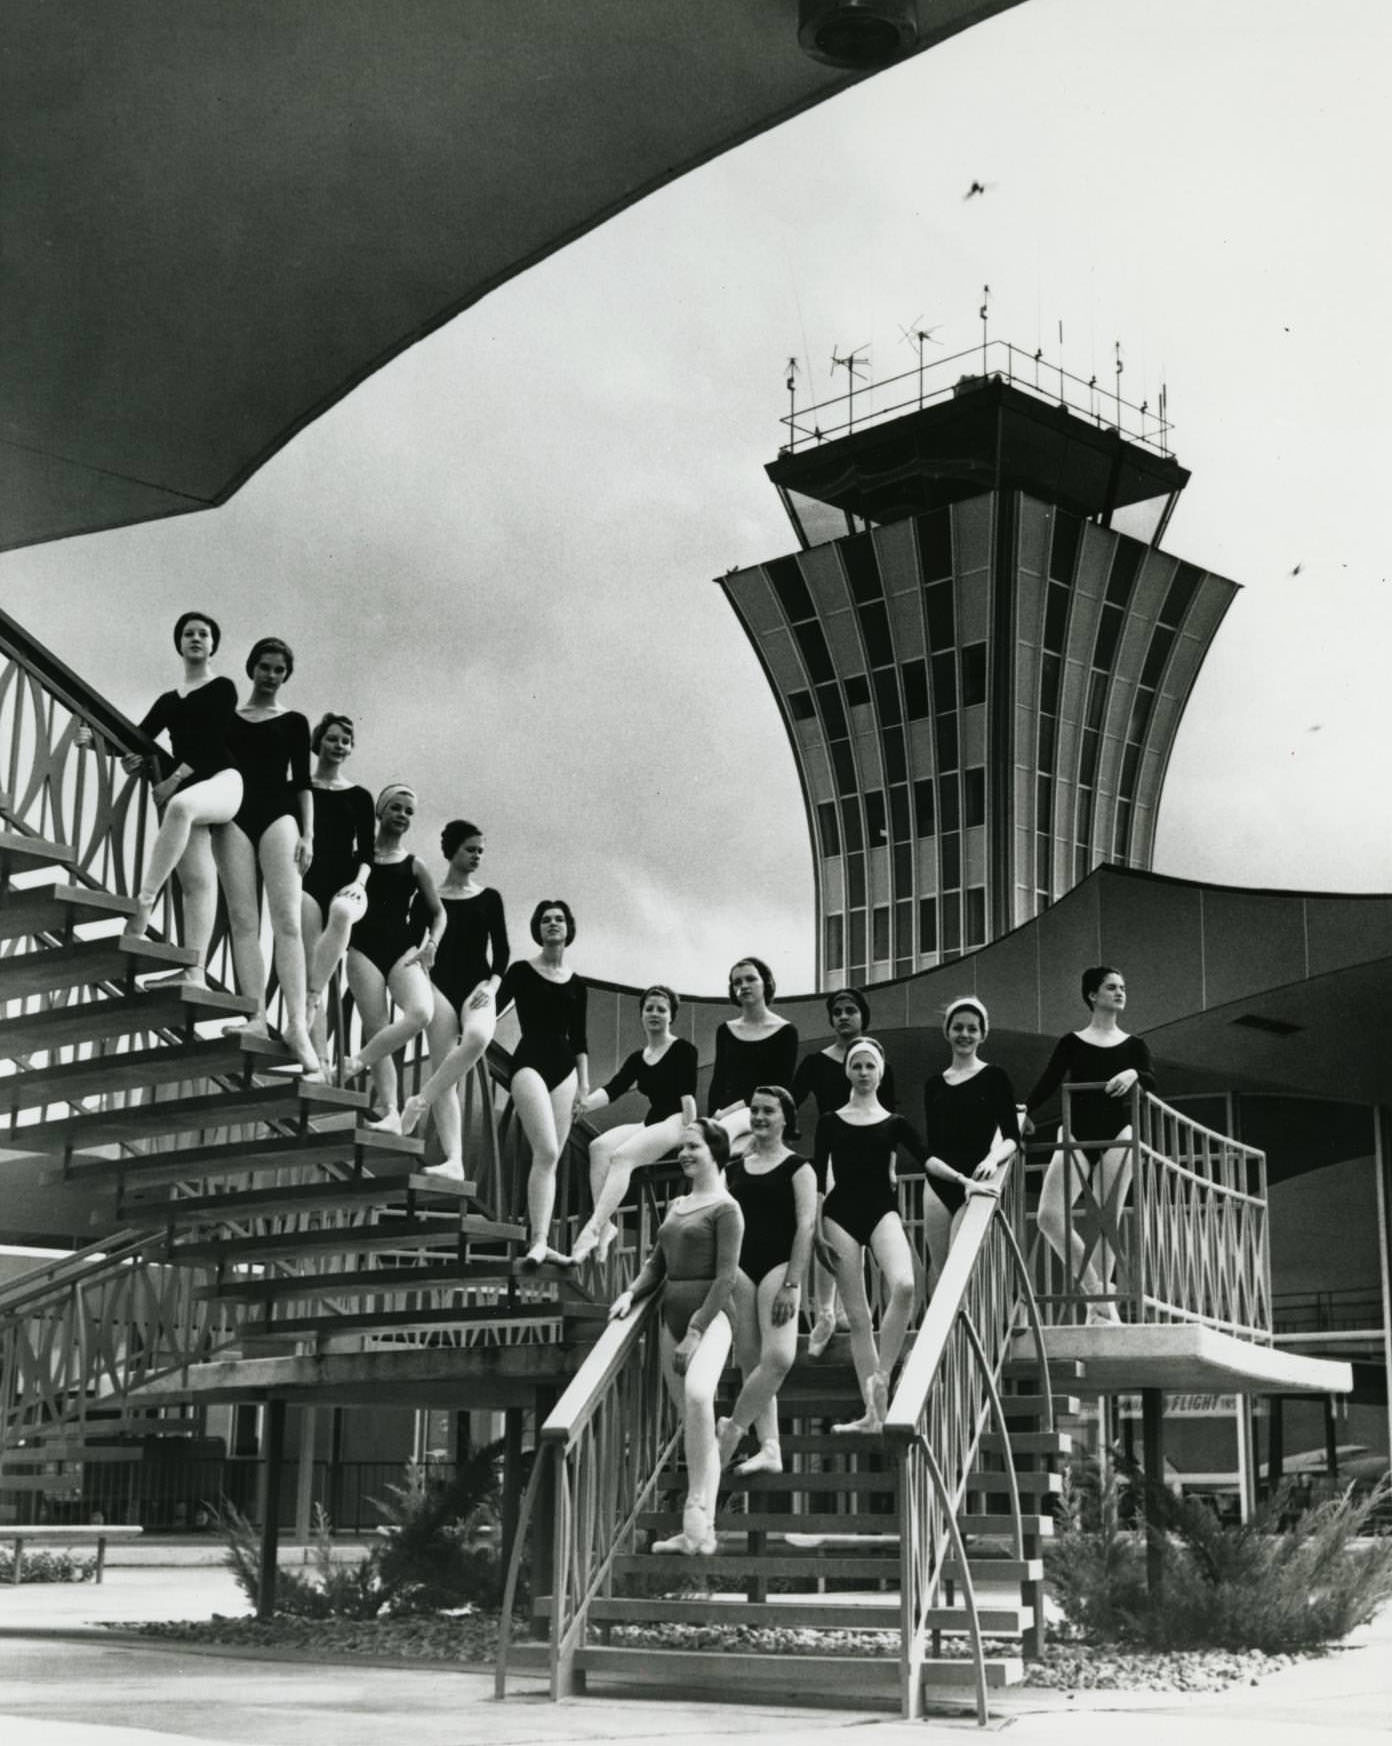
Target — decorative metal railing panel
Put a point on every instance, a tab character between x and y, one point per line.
948	1395
1171	1227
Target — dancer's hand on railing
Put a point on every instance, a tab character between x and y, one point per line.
980	1187
163	792
620	1307
1120	1083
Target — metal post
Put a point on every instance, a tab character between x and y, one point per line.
272	1462
1246	1459
1331	1438
1153	1455
1275	1445
304	1475
1382	1172
512	1480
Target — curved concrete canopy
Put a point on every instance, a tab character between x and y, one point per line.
218	216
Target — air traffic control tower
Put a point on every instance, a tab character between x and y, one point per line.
980	651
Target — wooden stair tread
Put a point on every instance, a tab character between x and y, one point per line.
761	1483
780	1522
151	1009
366	1321
985	1568
989	1480
362	1281
283	1100
880	1612
1020	1406
789	1561
391	1234
20	853
81	963
1028	1442
69	1081
319	1146
301	1196
55	909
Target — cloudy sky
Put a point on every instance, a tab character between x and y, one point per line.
498	553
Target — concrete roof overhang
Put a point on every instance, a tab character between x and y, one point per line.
1181	1357
219	216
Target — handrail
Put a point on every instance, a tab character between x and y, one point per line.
576	1407
948	1394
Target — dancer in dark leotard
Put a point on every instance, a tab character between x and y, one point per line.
855	1155
1100	1054
203	788
822	1076
969	1123
777	1193
551	1064
335	887
756	1048
664	1070
694	1264
273	832
468	971
387	955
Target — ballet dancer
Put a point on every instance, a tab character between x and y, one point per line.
776	1190
969	1123
272	831
855	1151
386	954
664	1070
334	893
694	1262
758	1047
1101	1053
469	967
822	1077
550	1066
203	789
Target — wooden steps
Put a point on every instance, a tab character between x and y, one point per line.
875	1612
21	853
286	1099
87	964
364	1281
326	1192
807	1563
32	910
134	1070
224	1159
391	1233
178	1008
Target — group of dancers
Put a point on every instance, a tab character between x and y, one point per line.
733	1255
252	788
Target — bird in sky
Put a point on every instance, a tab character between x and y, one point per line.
977	188
1298	568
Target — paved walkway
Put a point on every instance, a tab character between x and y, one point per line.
65	1682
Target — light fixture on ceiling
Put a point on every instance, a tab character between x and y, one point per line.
857	34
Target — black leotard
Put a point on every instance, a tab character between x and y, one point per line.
861	1157
767	1200
344	829
741	1066
197	724
663	1082
475	945
385	932
264	751
960	1123
824	1080
1092	1114
552	1018
694	1261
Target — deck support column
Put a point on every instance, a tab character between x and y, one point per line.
304	1475
1275	1444
273	1461
1153	1458
1246	1460
512	1481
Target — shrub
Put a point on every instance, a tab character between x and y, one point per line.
439	1549
47	1567
1244	1586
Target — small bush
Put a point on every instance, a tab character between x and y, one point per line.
439	1549
1245	1586
47	1567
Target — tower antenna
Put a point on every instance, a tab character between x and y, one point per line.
1119	368
790	382
854	365
985	315
920	336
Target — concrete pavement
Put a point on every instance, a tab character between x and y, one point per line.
64	1681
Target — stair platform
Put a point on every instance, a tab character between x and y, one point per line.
364	1281
22	853
286	1099
32	910
135	1069
88	964
327	1192
178	1008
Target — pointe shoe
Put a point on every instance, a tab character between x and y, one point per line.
820	1337
390	1123
768	1460
537	1253
413	1113
606	1239
352	1067
697	1538
1102	1315
451	1170
585	1245
728	1437
867	1424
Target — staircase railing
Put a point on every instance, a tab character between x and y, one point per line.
949	1394
600	1453
1172	1226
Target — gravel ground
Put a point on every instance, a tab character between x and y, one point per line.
471	1638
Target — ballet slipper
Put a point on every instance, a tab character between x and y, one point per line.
413	1113
585	1244
353	1067
299	1045
139	924
820	1337
451	1170
390	1123
537	1253
768	1460
728	1437
606	1239
697	1538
